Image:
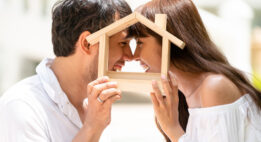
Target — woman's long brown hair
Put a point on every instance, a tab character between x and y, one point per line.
200	54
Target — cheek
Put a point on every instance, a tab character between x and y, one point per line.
152	56
115	54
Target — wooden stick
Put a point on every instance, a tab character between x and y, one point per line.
116	27
133	76
136	86
103	55
161	21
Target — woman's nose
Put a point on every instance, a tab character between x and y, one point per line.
136	56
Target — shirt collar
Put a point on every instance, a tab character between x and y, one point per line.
55	92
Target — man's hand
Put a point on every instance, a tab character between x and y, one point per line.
98	112
102	93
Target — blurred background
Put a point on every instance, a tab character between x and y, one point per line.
25	39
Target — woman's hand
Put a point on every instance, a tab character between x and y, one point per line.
166	108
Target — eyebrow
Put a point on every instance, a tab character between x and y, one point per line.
128	38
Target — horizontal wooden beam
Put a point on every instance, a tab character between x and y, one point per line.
133	76
136	86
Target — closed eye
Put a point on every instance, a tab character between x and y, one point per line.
122	44
139	42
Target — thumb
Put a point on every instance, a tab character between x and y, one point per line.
85	105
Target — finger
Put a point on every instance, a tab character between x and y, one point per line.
111	100
97	89
96	82
106	94
174	84
85	105
99	80
173	80
167	88
156	89
154	100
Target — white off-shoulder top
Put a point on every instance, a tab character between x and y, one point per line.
236	122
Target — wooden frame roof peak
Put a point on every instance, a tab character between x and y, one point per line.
129	20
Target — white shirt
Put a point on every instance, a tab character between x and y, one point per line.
236	122
37	110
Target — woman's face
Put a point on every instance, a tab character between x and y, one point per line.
148	52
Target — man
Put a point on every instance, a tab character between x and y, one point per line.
52	105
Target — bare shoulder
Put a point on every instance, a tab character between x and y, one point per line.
217	89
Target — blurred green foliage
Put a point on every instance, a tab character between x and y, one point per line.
257	80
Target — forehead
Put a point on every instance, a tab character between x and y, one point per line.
138	30
122	35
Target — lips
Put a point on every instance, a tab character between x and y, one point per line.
145	66
118	66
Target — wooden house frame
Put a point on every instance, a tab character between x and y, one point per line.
134	82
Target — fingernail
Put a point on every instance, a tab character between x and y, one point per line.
154	82
113	83
106	78
170	73
163	77
85	101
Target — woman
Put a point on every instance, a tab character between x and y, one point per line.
223	105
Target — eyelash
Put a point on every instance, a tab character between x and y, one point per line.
139	42
122	44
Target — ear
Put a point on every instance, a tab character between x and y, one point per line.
84	45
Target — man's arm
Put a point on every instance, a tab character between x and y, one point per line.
20	122
87	134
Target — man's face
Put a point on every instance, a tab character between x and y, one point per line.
119	51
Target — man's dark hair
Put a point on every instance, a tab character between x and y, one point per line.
72	17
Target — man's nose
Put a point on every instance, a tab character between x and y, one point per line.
127	54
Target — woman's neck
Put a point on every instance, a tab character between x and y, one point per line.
188	84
